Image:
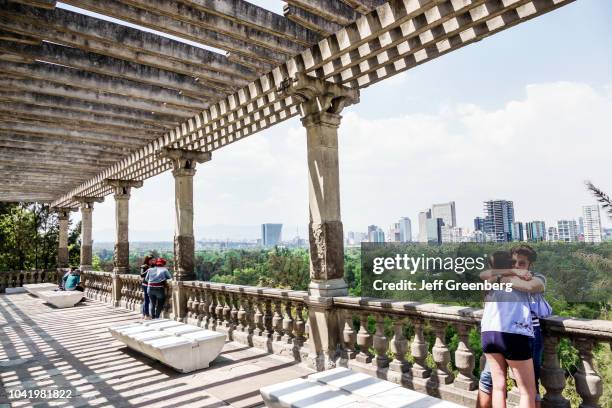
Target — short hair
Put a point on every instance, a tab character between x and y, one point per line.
500	260
525	250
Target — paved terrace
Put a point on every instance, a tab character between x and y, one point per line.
70	349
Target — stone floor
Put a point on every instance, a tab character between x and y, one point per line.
43	348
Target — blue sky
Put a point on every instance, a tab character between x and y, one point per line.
523	115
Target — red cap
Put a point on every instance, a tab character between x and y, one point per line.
160	262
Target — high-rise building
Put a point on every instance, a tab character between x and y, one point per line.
536	231
568	230
553	234
271	234
479	224
453	235
445	211
394	233
592	223
405	229
517	231
434	230
499	217
375	234
423	217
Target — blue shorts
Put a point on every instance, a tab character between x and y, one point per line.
486	381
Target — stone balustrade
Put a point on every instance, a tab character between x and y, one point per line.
98	285
271	319
16	279
383	338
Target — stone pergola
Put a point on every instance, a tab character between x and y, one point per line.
94	107
91	108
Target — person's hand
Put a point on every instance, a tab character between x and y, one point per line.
523	274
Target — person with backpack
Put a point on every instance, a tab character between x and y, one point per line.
156	281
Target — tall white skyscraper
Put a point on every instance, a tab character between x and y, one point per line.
394	233
445	211
405	227
553	234
568	230
423	217
592	223
271	234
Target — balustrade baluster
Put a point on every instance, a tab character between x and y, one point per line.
349	337
299	325
267	318
288	322
227	323
241	315
380	343
588	383
197	310
553	376
212	310
234	310
418	349
465	360
205	305
219	309
260	327
250	312
277	321
441	354
364	340
189	304
399	346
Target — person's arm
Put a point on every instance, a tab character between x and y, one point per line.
530	286
494	273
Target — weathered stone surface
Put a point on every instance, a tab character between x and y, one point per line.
326	250
182	347
184	250
61	299
34	288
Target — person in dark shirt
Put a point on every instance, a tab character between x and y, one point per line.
147	262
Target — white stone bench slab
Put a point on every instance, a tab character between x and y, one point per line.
341	387
183	347
61	299
34	288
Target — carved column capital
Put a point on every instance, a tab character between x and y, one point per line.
184	161
63	213
319	97
122	188
87	203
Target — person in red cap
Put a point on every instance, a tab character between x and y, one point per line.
156	281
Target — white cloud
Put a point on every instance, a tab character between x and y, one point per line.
536	150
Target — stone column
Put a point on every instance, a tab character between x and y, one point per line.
62	251
122	189
320	105
87	204
184	167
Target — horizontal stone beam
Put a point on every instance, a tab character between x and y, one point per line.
332	10
248	14
70	134
61	115
179	28
309	20
20	155
81	105
104	37
363	6
118	68
10	35
218	23
47	121
121	91
66	152
45	143
62	88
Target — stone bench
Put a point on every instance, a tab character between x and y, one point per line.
341	387
34	288
61	299
183	347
